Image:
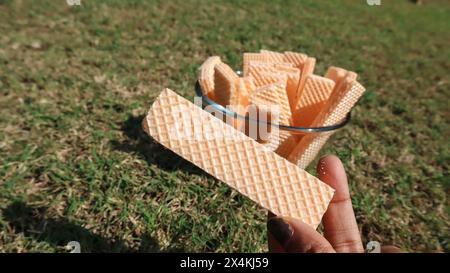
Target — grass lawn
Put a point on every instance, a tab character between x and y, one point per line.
75	83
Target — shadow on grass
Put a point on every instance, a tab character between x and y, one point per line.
138	142
32	222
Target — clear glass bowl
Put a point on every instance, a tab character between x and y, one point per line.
293	129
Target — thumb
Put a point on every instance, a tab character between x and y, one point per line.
295	236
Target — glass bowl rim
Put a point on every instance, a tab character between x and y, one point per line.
226	111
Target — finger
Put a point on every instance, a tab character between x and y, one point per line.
274	246
340	227
295	236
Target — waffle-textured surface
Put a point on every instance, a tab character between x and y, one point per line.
262	76
260	131
274	95
252	57
288	143
224	83
241	96
266	58
306	70
273	56
335	74
240	99
270	96
316	92
269	64
339	105
266	73
340	76
206	76
236	159
298	59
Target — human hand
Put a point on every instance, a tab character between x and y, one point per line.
341	232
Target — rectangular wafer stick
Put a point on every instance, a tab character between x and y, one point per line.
262	78
306	70
240	99
274	56
293	78
339	105
316	92
297	59
335	74
274	95
266	73
206	76
270	96
250	59
338	75
239	161
269	64
224	83
257	125
286	146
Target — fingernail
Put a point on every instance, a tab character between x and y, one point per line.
280	229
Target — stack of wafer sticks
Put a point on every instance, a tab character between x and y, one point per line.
236	159
283	90
285	80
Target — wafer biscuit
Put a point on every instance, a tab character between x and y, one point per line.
335	74
338	74
266	73
240	100
249	83
258	124
286	145
252	57
268	64
338	106
274	95
224	83
298	59
261	77
306	69
273	56
282	68
293	78
236	159
316	92
349	76
287	68
258	59
206	76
